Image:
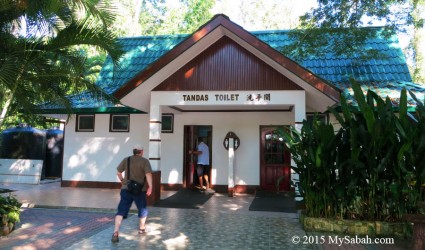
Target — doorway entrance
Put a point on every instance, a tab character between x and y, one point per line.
275	159
192	133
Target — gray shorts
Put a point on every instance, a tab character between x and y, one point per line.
203	169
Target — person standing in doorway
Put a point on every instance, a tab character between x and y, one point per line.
203	165
140	171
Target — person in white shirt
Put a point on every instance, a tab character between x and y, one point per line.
203	165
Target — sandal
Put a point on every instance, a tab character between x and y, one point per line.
142	231
115	238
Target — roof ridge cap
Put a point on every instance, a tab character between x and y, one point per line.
268	31
153	36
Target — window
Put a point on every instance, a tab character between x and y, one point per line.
167	123
119	123
85	123
319	117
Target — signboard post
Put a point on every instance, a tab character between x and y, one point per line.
231	144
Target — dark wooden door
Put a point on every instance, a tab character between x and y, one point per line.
275	160
189	159
191	134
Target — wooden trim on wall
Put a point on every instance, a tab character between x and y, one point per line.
151	200
226	66
245	189
91	184
238	189
171	187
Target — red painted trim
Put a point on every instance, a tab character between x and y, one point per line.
238	189
230	192
171	187
154	197
91	184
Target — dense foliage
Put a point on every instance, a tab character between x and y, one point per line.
370	167
334	25
40	57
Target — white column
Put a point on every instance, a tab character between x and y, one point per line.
231	180
155	137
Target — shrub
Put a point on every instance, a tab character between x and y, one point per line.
10	207
371	168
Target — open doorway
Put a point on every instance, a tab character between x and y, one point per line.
192	133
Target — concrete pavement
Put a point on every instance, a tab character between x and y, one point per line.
82	218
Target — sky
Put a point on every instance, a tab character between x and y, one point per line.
231	8
276	14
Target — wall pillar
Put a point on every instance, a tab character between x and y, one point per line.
155	152
155	137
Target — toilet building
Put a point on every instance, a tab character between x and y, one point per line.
230	86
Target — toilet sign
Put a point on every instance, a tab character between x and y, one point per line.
236	141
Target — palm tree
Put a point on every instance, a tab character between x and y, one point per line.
41	59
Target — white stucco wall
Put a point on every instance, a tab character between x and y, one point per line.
93	156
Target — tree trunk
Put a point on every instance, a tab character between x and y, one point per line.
5	109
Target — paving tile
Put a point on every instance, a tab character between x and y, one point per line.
54	229
82	218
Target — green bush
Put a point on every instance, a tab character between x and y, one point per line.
10	207
371	168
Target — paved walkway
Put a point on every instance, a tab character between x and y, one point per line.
82	218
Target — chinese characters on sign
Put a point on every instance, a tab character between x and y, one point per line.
258	97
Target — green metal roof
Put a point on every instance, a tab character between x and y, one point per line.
86	103
385	76
140	53
338	68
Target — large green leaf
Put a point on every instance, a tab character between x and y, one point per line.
362	168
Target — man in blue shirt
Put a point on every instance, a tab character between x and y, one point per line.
203	167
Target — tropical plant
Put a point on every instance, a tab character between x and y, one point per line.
40	60
371	167
10	208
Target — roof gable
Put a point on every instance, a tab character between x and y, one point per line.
226	65
232	30
148	55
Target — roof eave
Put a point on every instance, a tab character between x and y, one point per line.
92	110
